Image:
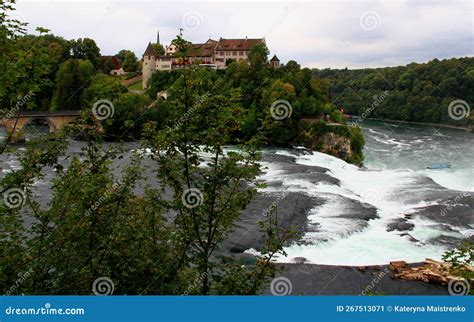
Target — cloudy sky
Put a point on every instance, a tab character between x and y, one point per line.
336	33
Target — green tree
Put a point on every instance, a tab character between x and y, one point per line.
86	49
208	200
128	118
159	49
72	78
258	56
130	62
104	86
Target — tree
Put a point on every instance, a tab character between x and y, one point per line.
130	62
159	49
229	61
127	120
86	49
104	87
292	66
72	78
258	56
46	52
107	65
22	71
416	92
121	54
207	200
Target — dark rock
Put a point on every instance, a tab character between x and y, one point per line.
312	279
400	224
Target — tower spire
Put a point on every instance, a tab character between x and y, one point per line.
158	36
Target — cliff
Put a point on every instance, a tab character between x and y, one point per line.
339	140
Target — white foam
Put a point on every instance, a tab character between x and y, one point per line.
456	179
391	192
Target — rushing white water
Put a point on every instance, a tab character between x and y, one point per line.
395	183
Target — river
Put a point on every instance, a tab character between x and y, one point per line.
392	209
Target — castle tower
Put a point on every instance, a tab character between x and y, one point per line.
275	62
149	65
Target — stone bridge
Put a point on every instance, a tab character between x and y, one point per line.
54	120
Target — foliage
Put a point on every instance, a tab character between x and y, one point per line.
223	187
462	259
129	61
130	113
93	226
159	49
103	86
96	225
416	92
259	87
72	78
86	49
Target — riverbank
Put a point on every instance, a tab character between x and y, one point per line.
312	279
447	126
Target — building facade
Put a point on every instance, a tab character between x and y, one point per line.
211	54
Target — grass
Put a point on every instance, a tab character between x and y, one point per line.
135	86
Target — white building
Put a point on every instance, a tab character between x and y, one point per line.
212	54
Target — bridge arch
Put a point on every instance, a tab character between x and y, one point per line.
52	127
55	120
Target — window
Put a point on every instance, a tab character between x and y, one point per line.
234	53
241	53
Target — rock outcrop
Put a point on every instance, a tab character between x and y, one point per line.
430	272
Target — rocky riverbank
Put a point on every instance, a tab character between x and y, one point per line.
311	279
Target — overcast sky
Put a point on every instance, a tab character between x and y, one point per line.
337	33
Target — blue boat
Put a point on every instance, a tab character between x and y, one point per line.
439	166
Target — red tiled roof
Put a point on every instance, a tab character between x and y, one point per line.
115	61
237	44
206	49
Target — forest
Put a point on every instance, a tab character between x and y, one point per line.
416	92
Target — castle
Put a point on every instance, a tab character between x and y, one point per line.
211	54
